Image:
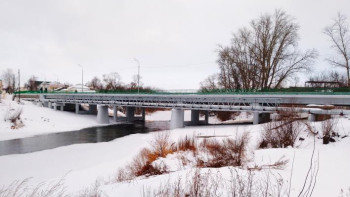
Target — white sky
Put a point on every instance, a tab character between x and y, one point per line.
174	40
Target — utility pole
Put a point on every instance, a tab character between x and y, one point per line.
19	86
138	75
82	77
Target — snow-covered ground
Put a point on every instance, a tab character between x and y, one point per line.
40	120
82	164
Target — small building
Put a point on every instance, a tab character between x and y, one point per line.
323	84
77	88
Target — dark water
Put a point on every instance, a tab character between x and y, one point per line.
88	135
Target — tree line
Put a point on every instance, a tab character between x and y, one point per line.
265	54
109	82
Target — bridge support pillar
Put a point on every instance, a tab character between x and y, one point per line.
130	114
143	113
318	117
92	109
115	113
259	118
194	117
206	118
46	104
312	117
102	114
55	106
49	105
77	106
62	107
177	118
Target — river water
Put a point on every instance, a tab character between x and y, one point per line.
87	135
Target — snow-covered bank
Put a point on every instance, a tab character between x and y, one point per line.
84	163
40	120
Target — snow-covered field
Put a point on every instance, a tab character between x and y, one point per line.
82	164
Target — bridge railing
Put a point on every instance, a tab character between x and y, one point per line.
279	91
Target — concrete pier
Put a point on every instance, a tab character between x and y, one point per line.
130	114
102	114
77	108
177	118
194	117
115	113
143	114
206	118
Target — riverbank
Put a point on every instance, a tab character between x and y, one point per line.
39	120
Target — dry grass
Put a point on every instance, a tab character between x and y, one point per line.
187	144
209	153
23	189
209	183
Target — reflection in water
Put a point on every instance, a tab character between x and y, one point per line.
88	135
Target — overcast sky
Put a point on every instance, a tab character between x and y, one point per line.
174	40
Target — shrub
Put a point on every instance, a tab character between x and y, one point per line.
282	133
228	152
142	163
329	129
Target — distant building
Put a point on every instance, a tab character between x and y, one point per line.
77	88
323	84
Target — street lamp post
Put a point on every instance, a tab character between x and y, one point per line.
138	75
82	77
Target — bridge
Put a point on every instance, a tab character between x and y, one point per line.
261	105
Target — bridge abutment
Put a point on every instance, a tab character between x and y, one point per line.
177	118
102	114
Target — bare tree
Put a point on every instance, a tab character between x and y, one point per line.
112	81
331	76
31	86
136	81
95	83
264	55
9	80
210	83
338	32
